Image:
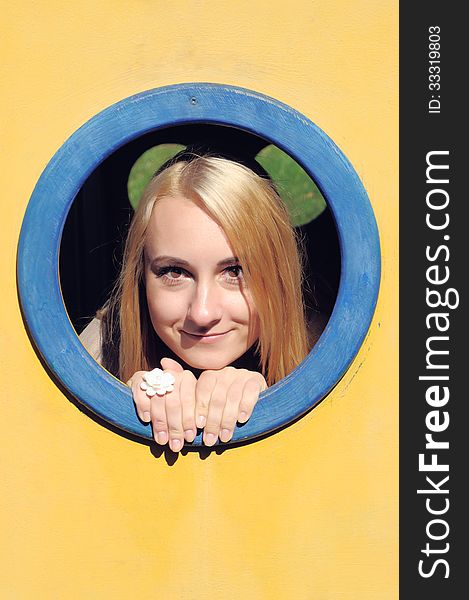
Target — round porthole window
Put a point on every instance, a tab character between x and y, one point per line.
198	105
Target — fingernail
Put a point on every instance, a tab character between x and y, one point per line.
243	416
189	434
146	416
201	420
162	437
225	435
175	445
210	439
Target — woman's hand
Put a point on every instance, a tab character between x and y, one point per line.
223	398
214	402
172	415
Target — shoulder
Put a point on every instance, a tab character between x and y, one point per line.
91	338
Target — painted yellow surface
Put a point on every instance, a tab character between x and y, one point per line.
309	513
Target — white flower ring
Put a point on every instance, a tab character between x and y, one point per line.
157	382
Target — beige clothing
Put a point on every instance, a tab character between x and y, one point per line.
90	337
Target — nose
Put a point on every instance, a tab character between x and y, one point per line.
205	306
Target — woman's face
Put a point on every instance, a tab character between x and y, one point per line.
197	298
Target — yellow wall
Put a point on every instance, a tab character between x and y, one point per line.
310	513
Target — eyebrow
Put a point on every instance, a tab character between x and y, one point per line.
179	262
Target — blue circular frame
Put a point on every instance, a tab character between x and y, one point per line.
80	155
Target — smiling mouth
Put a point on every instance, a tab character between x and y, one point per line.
205	337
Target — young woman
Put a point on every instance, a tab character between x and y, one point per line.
210	291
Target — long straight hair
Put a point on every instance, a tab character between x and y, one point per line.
257	226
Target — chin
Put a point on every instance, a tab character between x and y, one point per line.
204	363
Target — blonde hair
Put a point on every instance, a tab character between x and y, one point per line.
257	225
